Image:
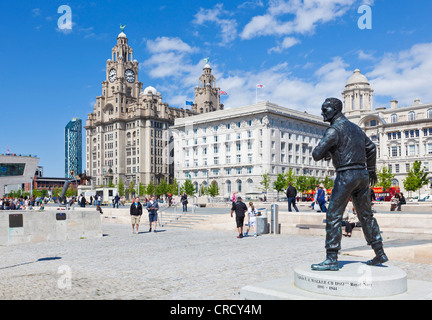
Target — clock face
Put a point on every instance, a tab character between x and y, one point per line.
130	76
112	75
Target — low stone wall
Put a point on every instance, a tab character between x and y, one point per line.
33	226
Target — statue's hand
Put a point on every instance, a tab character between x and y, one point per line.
373	178
327	157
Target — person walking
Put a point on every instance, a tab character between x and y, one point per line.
184	201
136	213
291	194
116	201
152	208
321	199
252	214
240	210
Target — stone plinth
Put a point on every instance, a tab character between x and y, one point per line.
354	279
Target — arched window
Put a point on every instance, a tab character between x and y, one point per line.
249	185
395	183
228	184
239	185
429	114
411	116
394	118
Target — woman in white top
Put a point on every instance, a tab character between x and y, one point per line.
351	219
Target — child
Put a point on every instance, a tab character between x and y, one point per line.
252	213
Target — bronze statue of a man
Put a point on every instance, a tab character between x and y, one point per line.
354	158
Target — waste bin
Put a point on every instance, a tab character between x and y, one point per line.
262	225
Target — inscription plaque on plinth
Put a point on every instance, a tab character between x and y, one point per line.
354	279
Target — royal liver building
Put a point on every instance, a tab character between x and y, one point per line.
127	133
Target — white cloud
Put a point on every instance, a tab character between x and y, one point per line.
283	88
286	43
295	17
228	27
365	56
405	75
164	44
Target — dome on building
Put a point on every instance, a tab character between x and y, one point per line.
122	35
357	78
150	90
207	66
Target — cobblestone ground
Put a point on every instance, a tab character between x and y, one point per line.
172	264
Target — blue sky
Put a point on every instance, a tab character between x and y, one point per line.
302	51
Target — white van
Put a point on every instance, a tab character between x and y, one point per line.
422	198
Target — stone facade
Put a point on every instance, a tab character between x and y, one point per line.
207	95
402	134
127	132
234	147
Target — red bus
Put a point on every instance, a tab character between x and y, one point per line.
382	194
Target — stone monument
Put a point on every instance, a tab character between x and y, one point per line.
354	158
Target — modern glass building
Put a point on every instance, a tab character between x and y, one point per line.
73	148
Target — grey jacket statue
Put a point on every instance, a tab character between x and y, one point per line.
354	158
347	145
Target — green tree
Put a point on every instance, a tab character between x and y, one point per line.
312	182
301	183
385	177
150	190
213	190
280	183
417	178
141	189
131	190
162	188
265	182
121	188
328	183
56	192
173	188
188	188
291	177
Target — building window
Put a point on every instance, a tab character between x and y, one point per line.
411	116
394	118
429	114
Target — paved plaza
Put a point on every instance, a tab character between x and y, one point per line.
172	264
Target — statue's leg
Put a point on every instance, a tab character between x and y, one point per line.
338	202
362	204
340	196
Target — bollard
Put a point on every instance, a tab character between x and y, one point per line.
275	219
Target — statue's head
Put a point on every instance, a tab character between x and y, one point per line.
330	108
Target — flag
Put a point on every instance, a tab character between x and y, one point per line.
223	93
260	86
189	103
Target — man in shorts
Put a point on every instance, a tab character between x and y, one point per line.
240	209
152	207
136	213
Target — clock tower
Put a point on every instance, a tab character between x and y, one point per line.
121	86
127	134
